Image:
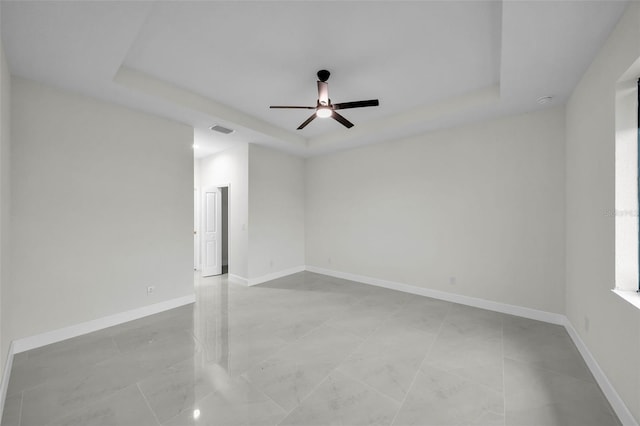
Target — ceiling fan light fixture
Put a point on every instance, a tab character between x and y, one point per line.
324	108
324	112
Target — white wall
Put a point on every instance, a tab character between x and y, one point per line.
276	211
102	200
5	96
231	167
613	336
196	213
196	173
482	203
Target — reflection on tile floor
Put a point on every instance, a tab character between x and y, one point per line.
309	349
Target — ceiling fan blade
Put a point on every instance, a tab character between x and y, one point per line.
323	93
295	107
307	121
356	104
340	119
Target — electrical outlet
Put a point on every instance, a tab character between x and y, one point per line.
151	289
452	281
271	263
329	260
586	324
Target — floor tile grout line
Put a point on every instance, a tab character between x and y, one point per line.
195	337
144	397
324	323
49	380
31	388
80	408
564	375
590	380
550	370
355	350
465	378
308	332
115	344
382	324
567	376
288	343
365	339
368	386
368	336
280	349
246	379
338	364
324	379
415	376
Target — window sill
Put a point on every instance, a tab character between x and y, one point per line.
632	297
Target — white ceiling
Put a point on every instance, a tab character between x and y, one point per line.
432	64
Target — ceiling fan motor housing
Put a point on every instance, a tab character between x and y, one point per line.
323	75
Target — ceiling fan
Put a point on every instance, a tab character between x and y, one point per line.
325	108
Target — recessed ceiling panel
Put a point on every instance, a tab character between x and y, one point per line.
432	64
249	55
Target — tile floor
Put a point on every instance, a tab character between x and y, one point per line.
309	350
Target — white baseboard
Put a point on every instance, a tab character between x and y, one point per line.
275	275
32	342
609	391
238	279
6	373
450	297
38	340
43	339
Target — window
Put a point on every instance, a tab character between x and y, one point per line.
627	192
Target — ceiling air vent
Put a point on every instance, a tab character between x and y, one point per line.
221	129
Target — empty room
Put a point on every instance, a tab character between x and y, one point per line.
319	213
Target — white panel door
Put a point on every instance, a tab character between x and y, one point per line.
210	232
196	227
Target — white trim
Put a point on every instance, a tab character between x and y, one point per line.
5	378
222	185
38	340
609	391
505	308
238	279
275	275
630	296
196	228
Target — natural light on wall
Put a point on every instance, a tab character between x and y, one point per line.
626	193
